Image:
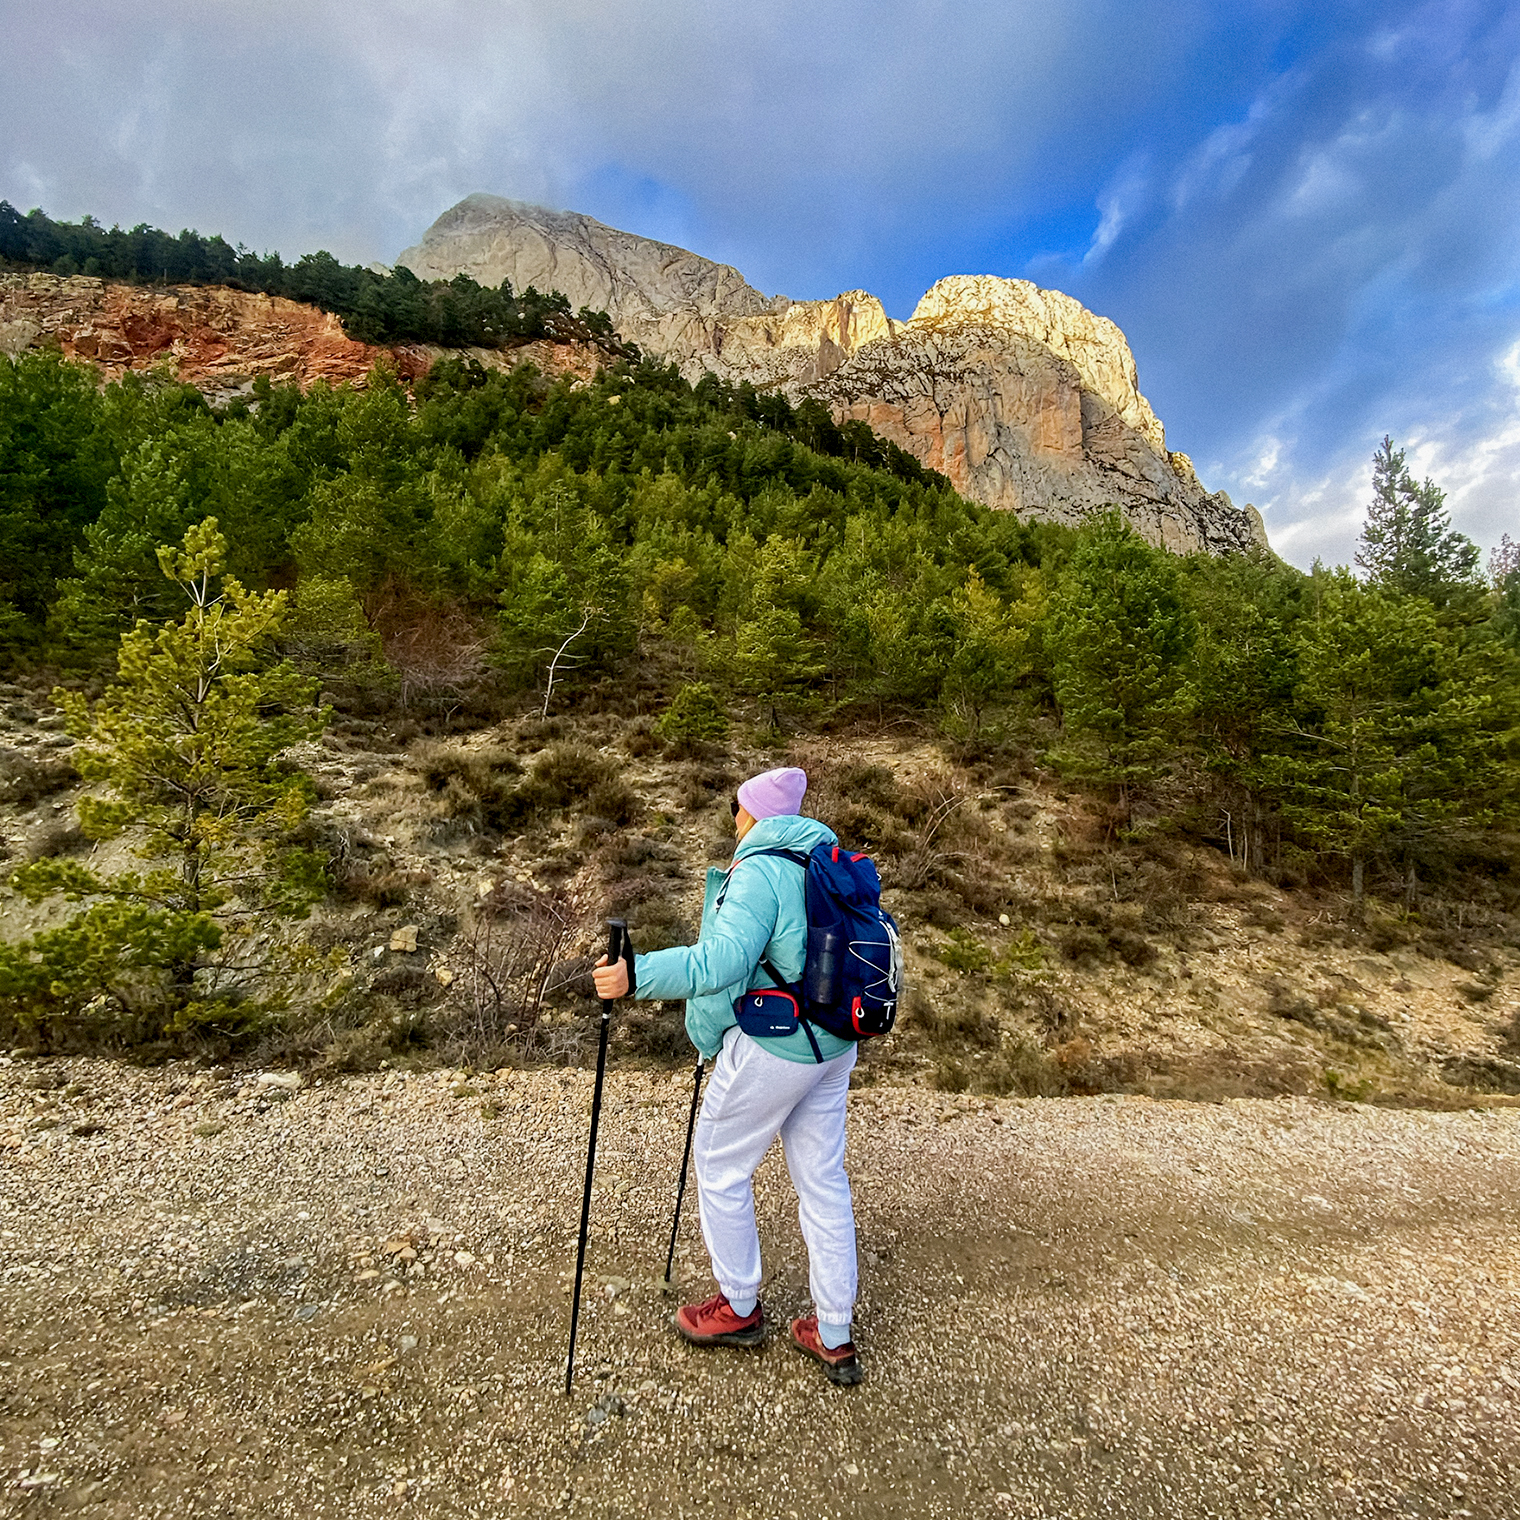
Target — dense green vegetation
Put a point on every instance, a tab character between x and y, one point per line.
492	542
376	306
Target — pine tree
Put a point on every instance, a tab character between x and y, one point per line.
991	649
186	749
1504	574
1240	681
1408	543
1120	632
1398	738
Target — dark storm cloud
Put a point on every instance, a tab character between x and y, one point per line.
1303	215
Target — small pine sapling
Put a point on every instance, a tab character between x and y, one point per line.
186	753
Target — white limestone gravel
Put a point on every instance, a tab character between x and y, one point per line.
221	1294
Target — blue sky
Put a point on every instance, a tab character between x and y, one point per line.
1306	217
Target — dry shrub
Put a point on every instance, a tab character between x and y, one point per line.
700	781
655	1031
1167	909
1329	1013
1080	943
475	787
576	777
436	648
937	909
378	883
1133	949
951	1027
57	836
1018	1068
535	733
1481	1073
642	738
27	779
513	948
486	789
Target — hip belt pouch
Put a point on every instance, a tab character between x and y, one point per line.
767	1013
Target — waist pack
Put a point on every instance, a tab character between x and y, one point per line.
852	977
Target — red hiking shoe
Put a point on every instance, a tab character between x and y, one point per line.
840	1365
715	1324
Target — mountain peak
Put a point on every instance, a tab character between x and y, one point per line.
1021	396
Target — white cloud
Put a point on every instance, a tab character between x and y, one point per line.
1116	205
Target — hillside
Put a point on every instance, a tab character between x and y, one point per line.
1155	823
1043	958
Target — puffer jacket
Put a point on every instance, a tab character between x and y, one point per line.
763	916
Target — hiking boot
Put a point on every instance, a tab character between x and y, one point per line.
715	1324
840	1365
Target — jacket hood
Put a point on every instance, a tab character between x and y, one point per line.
791	831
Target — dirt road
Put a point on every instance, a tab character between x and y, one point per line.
222	1297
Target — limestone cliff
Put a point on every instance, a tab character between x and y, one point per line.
1021	396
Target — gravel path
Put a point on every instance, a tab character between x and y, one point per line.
222	1297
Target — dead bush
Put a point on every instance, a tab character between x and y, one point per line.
655	1031
642	738
1080	943
1019	1068
513	948
28	779
699	782
436	648
378	883
408	983
1167	909
476	787
535	733
577	778
952	1026
1133	949
938	909
487	789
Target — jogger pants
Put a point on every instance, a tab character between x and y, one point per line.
752	1096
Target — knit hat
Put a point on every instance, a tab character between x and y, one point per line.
773	794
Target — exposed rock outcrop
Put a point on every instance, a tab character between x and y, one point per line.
1021	396
218	339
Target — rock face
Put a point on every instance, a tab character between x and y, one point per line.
1021	396
214	338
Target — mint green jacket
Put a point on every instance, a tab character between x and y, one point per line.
763	916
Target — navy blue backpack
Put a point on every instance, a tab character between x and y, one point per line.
852	980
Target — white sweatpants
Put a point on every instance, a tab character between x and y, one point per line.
752	1096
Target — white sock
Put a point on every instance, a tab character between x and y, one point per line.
743	1307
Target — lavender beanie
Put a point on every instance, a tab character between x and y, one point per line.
773	794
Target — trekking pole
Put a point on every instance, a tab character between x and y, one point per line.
691	1124
617	939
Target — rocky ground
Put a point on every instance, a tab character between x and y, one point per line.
242	1293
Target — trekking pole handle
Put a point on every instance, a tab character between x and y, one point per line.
618	946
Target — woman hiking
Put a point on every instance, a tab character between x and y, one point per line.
793	1085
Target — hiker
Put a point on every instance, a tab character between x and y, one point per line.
793	1085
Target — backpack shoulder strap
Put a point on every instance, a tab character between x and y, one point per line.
795	856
